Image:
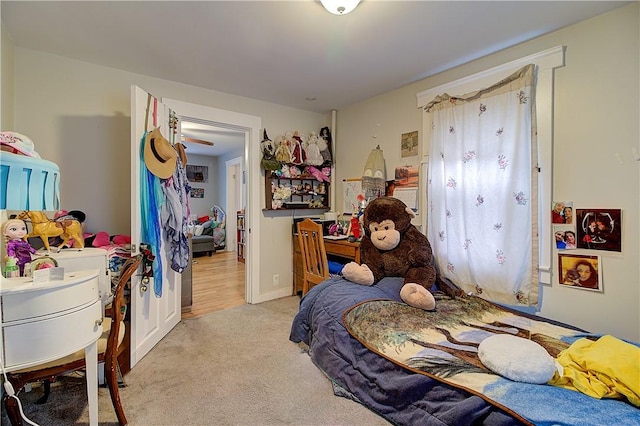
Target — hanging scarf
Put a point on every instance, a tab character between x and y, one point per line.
175	215
151	197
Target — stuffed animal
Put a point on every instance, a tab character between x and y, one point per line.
393	247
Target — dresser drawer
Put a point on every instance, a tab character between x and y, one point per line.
78	289
39	341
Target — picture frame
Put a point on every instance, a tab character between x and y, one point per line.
580	271
599	229
562	212
565	237
409	144
198	174
196	193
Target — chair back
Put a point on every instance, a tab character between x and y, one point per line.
113	341
117	311
314	256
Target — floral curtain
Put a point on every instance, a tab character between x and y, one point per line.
482	190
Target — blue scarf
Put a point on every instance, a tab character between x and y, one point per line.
151	198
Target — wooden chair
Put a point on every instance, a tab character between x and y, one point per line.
314	256
112	337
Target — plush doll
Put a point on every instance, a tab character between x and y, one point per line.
268	149
298	156
324	144
283	151
314	157
393	247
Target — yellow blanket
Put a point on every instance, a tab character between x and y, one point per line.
606	368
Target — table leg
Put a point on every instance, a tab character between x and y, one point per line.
91	360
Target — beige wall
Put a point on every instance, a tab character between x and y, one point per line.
6	81
596	126
78	115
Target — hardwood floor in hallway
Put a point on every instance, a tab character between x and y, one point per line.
217	283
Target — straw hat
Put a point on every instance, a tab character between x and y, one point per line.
159	156
180	148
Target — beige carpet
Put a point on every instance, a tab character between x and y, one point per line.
232	367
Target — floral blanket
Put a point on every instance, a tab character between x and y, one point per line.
443	345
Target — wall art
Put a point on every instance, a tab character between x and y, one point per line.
580	271
599	229
197	173
409	144
565	237
562	212
197	193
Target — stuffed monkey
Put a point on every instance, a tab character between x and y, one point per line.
393	247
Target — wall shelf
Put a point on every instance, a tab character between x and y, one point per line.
302	191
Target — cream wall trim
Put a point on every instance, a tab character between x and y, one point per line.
546	61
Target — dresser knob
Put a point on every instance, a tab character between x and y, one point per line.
99	322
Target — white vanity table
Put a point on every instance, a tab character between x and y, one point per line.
46	321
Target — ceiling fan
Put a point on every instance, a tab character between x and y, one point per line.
193	140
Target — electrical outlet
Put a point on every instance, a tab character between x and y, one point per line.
276	280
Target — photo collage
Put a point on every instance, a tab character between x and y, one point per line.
577	229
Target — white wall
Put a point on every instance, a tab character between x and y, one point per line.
6	80
596	125
78	116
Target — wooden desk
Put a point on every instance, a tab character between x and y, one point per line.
339	248
343	249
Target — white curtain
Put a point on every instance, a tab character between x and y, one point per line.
482	190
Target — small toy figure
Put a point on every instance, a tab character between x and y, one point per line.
18	248
43	227
354	227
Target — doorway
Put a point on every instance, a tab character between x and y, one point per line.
248	129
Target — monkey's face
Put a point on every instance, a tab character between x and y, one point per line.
384	235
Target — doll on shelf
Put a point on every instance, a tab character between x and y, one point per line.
15	233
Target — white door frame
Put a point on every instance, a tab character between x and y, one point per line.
235	198
251	126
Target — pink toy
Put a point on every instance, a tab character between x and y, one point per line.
318	174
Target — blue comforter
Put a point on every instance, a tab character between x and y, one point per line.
399	395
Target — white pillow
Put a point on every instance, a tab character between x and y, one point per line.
198	230
517	359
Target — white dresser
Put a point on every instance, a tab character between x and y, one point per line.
88	258
46	321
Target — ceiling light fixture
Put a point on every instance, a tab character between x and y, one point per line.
339	7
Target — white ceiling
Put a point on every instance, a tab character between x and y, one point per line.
287	52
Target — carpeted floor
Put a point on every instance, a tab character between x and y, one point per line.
232	367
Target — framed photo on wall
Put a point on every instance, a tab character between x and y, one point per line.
197	193
197	173
599	229
409	144
580	271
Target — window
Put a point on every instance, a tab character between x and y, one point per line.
545	61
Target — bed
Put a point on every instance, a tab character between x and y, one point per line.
339	323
